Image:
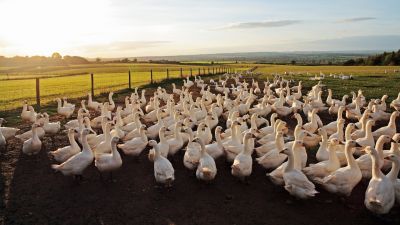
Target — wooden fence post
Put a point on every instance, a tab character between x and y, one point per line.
181	73
151	76
199	72
204	71
92	83
191	73
208	70
167	74
129	79
38	93
213	70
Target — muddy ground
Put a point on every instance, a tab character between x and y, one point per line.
33	194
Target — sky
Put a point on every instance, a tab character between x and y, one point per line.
128	28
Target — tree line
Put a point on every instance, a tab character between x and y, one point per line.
384	59
54	60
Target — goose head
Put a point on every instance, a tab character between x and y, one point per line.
393	158
85	131
334	142
114	140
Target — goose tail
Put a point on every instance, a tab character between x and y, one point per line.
55	167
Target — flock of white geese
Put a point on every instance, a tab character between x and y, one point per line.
348	149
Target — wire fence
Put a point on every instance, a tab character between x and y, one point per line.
42	90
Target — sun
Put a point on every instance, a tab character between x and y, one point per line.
44	26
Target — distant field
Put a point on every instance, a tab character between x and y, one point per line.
74	81
375	81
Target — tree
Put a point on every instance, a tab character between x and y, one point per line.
293	62
56	55
98	60
350	62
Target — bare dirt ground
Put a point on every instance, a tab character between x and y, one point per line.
33	194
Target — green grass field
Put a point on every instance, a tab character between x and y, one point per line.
56	80
375	81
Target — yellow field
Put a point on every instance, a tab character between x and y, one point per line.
56	82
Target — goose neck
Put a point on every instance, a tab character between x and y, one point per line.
394	172
376	171
290	163
351	162
85	144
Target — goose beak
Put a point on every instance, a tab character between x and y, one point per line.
358	145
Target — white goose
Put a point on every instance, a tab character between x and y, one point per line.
75	123
63	154
28	113
3	141
216	149
243	163
152	131
50	128
93	104
390	129
206	169
111	105
66	111
274	158
322	152
343	180
175	143
105	145
33	145
79	162
324	168
380	195
368	139
365	161
163	170
331	128
296	183
109	162
7	132
393	174
192	153
136	145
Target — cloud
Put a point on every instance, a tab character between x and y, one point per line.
261	24
356	19
124	45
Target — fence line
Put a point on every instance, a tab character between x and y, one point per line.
79	85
